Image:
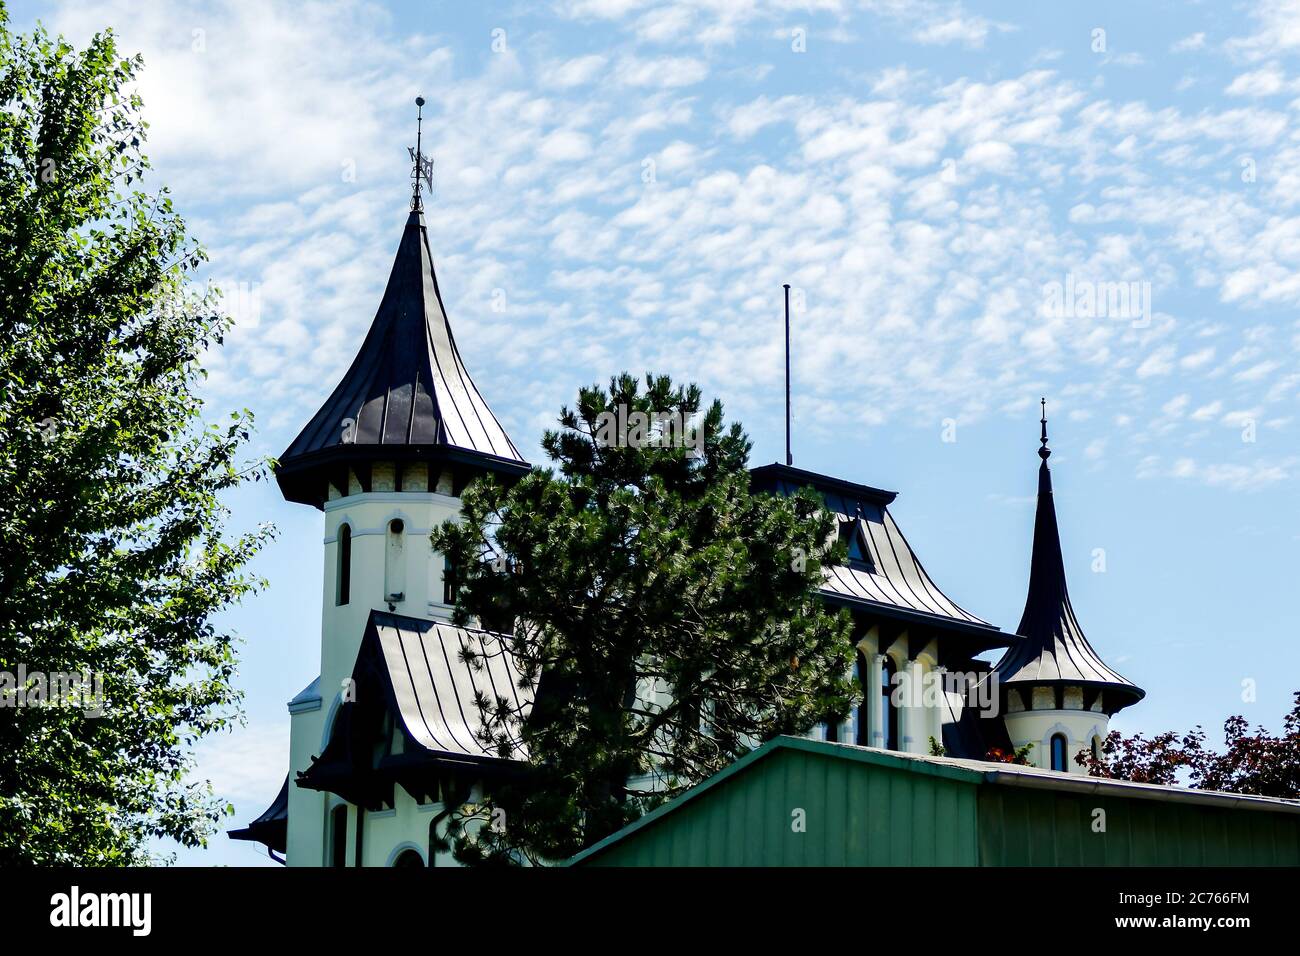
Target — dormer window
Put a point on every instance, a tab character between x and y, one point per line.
853	538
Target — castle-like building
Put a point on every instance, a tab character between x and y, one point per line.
384	741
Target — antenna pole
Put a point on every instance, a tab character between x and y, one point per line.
789	459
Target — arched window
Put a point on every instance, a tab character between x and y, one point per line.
1058	752
343	579
888	709
407	859
395	562
339	836
1096	747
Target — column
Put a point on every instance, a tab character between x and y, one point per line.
912	713
875	715
940	705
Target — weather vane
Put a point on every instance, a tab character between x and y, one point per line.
421	166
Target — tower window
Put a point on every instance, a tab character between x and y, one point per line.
339	836
343	577
395	562
1058	752
408	859
888	709
448	582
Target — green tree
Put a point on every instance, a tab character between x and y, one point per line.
112	557
670	617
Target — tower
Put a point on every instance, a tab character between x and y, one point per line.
385	459
1056	692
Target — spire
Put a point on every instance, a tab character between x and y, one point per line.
407	396
1053	650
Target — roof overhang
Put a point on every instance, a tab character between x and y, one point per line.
303	478
768	477
981	637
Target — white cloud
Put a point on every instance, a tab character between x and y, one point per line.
578	71
664	72
1268	81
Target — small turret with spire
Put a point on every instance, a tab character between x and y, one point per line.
1056	692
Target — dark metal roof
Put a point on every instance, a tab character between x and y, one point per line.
407	395
434	690
1053	650
893	582
787	479
272	827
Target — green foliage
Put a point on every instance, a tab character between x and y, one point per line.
633	571
112	559
1260	763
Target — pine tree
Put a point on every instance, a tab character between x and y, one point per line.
669	618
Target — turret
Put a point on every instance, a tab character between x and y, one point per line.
1056	692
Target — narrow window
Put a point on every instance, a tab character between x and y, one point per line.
448	582
888	710
1096	748
343	590
395	563
1058	752
339	836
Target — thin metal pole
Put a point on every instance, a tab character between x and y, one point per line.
416	205
789	459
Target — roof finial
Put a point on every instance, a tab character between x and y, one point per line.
1044	452
421	168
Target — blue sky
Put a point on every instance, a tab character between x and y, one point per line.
625	185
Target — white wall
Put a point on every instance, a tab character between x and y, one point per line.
368	514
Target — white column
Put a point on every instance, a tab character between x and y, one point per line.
936	712
912	713
875	714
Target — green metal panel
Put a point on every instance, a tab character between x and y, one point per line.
854	814
1032	827
864	807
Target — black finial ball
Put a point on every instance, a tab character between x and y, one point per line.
419	101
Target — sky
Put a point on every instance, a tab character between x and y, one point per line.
950	188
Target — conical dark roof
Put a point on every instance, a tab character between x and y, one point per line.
1053	650
407	395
